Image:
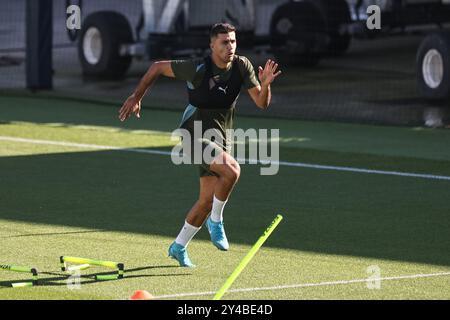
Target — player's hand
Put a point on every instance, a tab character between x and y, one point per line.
269	73
131	105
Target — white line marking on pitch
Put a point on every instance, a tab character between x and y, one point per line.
305	285
280	163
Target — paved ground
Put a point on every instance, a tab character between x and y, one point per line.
373	83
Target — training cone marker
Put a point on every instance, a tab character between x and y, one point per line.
141	295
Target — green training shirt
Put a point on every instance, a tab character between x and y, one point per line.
192	71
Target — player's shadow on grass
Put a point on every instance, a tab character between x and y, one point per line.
354	214
65	279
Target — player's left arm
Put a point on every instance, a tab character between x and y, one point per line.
261	94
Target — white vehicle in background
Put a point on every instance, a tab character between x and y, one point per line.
297	32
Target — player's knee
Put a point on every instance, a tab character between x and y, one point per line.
236	171
232	173
237	167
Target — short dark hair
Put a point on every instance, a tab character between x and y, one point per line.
221	28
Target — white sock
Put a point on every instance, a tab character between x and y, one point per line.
186	234
217	210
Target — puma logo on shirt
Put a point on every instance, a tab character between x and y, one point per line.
223	89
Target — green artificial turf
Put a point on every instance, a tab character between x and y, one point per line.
126	206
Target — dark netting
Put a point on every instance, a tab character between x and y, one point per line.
12	44
373	82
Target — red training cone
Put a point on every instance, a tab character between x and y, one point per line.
141	295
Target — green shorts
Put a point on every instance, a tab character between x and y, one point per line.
204	168
218	119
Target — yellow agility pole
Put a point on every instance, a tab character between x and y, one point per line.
102	263
33	271
248	257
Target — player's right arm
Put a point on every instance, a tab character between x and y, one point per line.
133	103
